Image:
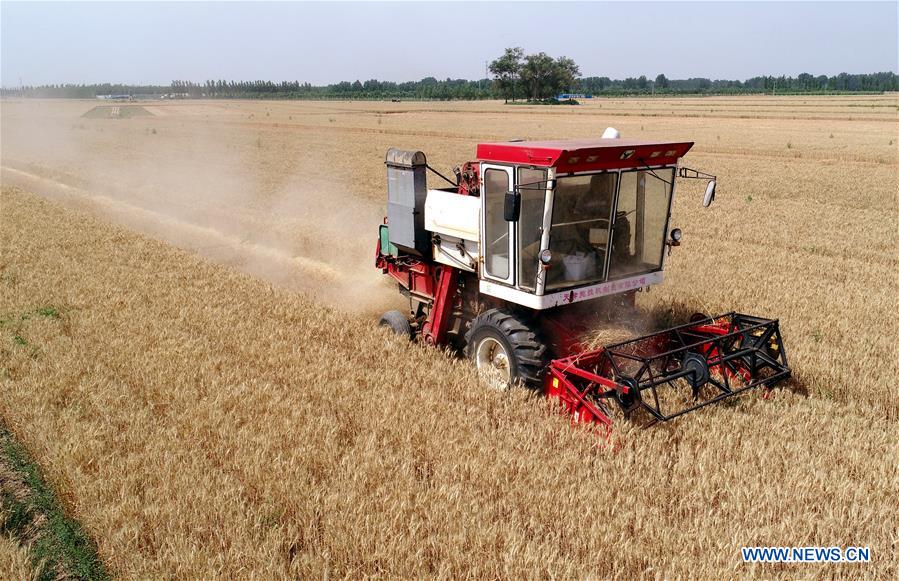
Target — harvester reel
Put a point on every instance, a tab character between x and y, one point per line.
716	357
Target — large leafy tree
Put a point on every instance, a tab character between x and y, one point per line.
506	70
565	75
538	75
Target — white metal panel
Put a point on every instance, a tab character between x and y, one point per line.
569	296
456	252
453	214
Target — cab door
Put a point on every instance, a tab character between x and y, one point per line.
497	235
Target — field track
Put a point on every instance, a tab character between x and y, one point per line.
202	418
193	237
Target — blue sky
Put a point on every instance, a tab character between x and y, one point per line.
155	42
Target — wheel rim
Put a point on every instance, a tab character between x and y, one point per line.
491	357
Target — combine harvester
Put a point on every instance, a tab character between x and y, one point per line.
533	237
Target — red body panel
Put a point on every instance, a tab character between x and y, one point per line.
416	275
430	282
433	331
584	154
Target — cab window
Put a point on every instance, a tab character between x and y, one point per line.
582	213
638	238
496	229
532	185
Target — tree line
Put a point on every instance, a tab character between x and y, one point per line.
803	83
545	77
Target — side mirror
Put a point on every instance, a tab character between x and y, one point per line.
512	206
709	194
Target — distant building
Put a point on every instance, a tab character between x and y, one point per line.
566	96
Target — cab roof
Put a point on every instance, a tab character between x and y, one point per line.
573	155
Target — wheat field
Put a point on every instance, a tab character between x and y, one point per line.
14	561
189	348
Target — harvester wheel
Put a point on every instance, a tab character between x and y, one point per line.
697	316
398	323
501	343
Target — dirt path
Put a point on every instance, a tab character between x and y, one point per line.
306	274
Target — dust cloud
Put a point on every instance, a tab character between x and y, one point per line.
232	196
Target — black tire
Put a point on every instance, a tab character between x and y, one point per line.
697	316
398	323
524	349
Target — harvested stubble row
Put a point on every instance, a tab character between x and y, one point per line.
202	423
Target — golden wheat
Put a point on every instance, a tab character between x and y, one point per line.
201	423
14	560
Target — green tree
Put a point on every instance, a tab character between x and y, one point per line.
661	81
806	82
537	73
506	71
565	74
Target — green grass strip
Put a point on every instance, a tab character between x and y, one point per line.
59	545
